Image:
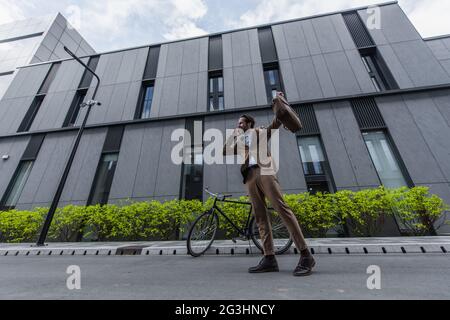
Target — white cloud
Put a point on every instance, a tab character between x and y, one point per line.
114	18
268	11
10	12
430	17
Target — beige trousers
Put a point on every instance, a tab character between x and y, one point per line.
261	186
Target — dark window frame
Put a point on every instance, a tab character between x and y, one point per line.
109	181
197	194
327	176
141	100
13	182
395	151
378	71
215	95
278	80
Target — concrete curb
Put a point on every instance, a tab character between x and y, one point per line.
350	246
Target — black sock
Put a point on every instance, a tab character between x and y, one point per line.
305	253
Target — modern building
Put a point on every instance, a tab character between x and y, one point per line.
375	104
36	40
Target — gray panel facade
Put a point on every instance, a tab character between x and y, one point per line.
319	64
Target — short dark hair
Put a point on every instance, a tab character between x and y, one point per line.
249	119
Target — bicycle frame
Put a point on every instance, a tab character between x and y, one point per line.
245	231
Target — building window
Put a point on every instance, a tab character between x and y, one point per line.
31	114
216	92
377	69
16	185
103	179
373	70
75	108
273	81
146	101
315	166
192	170
384	159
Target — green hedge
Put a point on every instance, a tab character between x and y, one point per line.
362	213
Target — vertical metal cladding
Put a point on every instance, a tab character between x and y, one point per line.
267	45
308	119
367	114
215	53
357	29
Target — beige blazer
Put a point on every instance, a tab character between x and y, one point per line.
262	135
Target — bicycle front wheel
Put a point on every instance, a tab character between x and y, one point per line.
202	233
281	238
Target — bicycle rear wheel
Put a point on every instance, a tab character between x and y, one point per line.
202	233
281	237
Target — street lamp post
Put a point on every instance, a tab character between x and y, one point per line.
89	104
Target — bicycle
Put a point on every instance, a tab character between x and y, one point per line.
203	231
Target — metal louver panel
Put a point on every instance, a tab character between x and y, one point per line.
308	119
357	29
367	114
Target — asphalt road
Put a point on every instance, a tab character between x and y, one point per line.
421	276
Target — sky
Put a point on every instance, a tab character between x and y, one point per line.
115	24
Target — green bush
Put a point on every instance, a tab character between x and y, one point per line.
417	210
365	211
20	226
315	213
362	213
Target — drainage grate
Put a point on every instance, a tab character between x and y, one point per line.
443	250
403	250
423	250
384	250
329	251
129	251
365	251
347	251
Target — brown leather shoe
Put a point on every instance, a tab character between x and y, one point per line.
267	264
305	266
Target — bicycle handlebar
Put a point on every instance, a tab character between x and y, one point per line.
217	195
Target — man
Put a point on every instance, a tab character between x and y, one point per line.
262	184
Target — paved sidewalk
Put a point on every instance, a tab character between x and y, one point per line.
403	245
